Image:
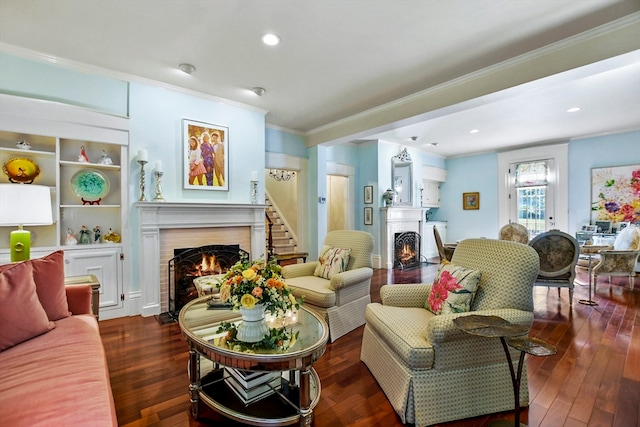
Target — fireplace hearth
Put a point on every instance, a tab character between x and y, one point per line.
406	252
190	263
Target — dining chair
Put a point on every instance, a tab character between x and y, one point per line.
558	252
444	251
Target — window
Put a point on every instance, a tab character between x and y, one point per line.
531	190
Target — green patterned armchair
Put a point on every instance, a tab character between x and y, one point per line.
341	298
432	372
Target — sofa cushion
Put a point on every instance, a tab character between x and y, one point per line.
21	314
48	274
58	379
453	289
331	261
403	329
316	290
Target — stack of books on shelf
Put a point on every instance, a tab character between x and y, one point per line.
251	386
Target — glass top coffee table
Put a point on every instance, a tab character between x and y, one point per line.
229	380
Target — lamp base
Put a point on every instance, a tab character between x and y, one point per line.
20	244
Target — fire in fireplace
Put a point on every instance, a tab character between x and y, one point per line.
406	252
189	263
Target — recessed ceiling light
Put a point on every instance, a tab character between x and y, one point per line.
270	39
259	90
414	138
187	68
573	109
432	144
474	131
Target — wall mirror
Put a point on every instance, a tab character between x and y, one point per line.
402	178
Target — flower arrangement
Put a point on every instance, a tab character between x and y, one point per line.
248	283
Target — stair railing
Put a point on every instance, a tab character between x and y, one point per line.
270	237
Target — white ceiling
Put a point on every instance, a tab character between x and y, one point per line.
339	59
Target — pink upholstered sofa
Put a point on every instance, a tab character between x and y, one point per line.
53	369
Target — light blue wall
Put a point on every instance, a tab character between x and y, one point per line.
32	79
279	141
470	174
480	173
156	125
611	150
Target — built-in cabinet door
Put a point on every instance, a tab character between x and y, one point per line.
431	194
106	265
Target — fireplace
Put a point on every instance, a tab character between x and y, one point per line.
189	263
406	253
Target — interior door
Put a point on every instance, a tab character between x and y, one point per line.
337	202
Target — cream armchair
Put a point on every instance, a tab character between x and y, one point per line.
341	300
432	372
620	260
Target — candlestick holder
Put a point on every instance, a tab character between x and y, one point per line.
254	192
159	197
142	163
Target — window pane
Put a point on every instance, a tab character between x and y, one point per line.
531	208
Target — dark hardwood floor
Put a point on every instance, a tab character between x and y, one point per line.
593	380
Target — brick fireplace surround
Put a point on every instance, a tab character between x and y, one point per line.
168	225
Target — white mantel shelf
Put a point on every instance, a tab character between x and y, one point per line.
155	216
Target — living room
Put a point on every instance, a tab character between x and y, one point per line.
155	115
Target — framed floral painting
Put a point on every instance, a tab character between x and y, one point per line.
615	194
206	156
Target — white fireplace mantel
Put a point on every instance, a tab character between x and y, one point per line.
156	216
397	220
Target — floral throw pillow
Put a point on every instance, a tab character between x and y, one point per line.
452	290
331	261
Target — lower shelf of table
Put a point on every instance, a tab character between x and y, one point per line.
278	409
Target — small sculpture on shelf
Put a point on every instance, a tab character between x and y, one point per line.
389	197
83	158
71	238
111	237
96	234
23	145
85	235
105	159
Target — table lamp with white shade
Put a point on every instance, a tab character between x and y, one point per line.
20	205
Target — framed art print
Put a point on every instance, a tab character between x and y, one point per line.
614	194
368	194
368	216
206	156
470	201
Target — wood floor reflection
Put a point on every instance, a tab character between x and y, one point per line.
593	380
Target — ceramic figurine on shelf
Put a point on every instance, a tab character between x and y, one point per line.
71	238
96	234
23	145
111	237
83	158
105	159
85	235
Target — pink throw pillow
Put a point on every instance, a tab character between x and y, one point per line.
48	274
21	314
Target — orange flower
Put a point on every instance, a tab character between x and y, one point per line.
257	292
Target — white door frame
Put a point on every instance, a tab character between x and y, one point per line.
560	155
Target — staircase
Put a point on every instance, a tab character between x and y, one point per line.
282	242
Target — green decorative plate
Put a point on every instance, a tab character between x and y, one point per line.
90	185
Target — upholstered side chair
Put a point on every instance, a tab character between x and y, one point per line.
620	260
514	232
558	252
340	300
431	371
